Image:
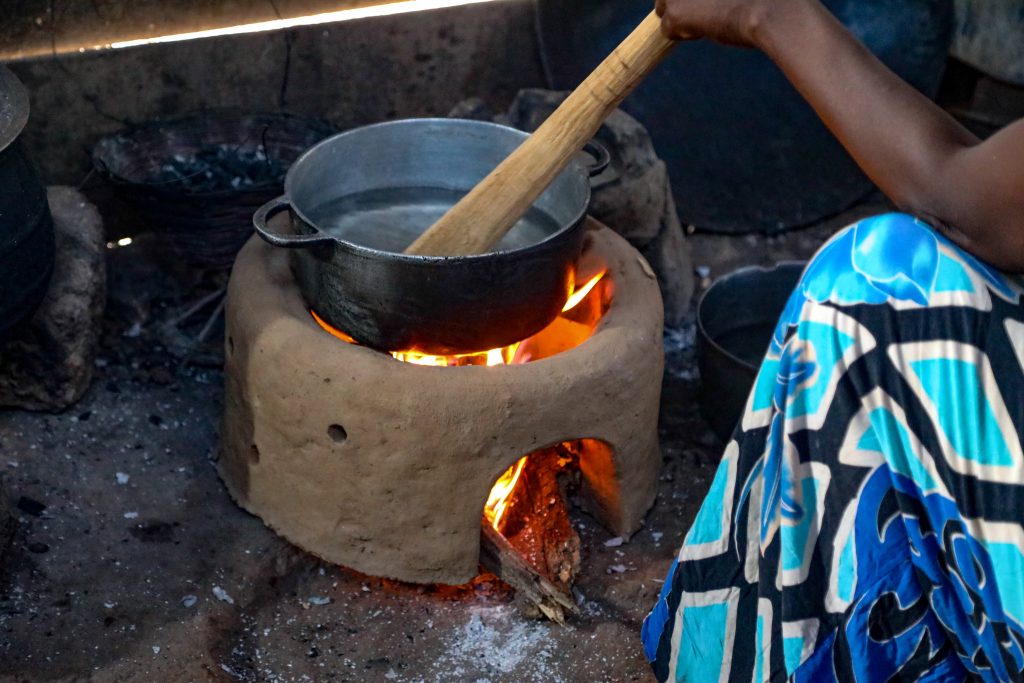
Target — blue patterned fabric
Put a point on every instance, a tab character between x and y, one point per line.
866	522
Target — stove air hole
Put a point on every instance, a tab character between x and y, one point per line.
254	454
337	433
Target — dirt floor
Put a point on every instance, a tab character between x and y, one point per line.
131	563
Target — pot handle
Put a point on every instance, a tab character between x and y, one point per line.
274	207
602	157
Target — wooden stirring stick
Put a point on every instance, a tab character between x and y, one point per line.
481	218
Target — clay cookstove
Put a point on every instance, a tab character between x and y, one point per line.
386	466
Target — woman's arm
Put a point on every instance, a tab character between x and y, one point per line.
923	160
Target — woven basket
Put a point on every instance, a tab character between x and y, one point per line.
204	227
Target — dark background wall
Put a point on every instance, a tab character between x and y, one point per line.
351	73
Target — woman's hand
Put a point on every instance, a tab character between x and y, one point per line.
724	21
733	22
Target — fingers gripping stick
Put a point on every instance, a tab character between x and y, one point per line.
483	216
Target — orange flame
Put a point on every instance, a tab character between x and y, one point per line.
501	356
581	294
498	500
329	328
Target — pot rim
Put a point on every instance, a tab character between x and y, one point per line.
13	97
429	260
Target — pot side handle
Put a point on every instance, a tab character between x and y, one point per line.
602	158
271	209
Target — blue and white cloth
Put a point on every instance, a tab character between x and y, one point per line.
866	522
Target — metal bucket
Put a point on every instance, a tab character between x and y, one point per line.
736	318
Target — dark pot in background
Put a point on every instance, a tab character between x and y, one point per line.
990	36
744	151
735	321
26	228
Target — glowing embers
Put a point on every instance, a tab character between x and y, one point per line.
528	538
502	356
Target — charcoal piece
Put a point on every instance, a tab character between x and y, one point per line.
31	506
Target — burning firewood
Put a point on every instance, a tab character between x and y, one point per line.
535	547
532	589
537	521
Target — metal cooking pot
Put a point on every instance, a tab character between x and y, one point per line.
26	228
358	199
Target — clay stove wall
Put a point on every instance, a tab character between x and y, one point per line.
400	491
